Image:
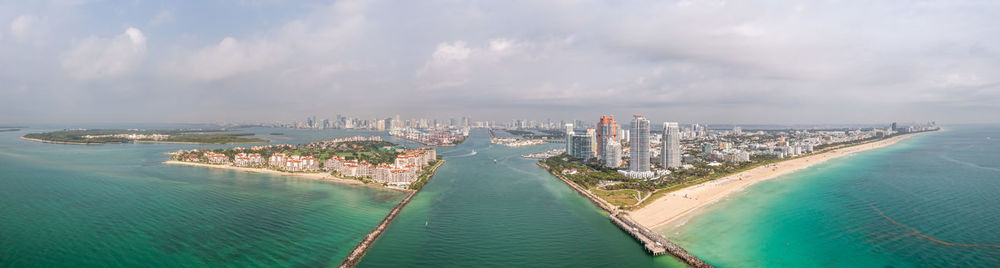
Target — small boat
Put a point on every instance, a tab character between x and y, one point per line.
494	161
425	223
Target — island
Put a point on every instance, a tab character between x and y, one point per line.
353	160
432	137
103	136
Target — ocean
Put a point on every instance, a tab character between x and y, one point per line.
927	201
114	205
931	200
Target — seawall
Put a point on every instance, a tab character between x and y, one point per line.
652	242
359	251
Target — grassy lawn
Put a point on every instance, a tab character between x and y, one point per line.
621	198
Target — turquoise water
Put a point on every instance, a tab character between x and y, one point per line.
945	185
512	213
113	206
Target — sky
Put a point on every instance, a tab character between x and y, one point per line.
765	62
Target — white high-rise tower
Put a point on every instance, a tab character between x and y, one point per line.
671	150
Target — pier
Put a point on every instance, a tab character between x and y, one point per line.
359	251
654	243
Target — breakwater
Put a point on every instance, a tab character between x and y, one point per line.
359	251
653	243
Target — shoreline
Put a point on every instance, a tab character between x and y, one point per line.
315	176
59	142
689	200
103	143
359	251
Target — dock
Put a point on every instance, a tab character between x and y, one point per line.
359	251
653	243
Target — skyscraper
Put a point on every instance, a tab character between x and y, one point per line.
612	154
640	144
569	139
581	146
593	140
607	130
671	150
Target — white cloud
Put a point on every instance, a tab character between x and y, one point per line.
101	57
230	57
28	29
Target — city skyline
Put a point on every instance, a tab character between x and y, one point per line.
714	62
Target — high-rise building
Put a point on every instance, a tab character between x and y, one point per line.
670	153
607	130
581	146
737	130
612	154
640	144
569	139
593	140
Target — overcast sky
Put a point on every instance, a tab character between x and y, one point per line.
705	61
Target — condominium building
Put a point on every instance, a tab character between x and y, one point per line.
670	152
580	145
569	139
639	151
607	130
612	154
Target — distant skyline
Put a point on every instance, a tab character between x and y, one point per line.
740	62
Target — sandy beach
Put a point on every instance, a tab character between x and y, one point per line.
680	203
315	176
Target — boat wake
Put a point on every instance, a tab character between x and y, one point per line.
974	165
472	153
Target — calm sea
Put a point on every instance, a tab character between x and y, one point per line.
928	201
115	206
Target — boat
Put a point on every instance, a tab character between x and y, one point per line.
494	161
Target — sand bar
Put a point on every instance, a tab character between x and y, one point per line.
677	204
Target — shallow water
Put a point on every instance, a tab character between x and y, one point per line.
928	201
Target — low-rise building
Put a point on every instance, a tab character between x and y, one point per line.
217	159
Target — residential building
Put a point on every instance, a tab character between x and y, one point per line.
670	152
607	130
639	151
612	154
580	146
569	139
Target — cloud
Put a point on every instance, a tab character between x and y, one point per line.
230	57
96	57
694	60
28	29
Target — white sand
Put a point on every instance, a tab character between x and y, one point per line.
677	204
316	176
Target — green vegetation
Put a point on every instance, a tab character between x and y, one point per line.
277	133
176	135
426	175
367	151
628	191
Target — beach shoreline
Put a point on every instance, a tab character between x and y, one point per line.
102	143
315	176
687	201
